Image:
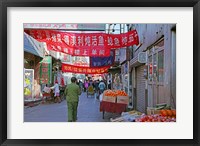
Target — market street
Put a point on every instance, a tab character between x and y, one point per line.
88	111
133	66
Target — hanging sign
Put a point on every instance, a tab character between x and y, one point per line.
84	44
45	70
103	61
80	61
84	70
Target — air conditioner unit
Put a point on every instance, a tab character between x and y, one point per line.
142	57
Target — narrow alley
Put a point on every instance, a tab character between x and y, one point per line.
88	111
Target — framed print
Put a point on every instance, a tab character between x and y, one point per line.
84	72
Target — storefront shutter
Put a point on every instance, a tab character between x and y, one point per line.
140	89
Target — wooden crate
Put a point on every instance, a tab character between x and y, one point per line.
123	99
152	111
109	99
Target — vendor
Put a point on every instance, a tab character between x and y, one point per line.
56	92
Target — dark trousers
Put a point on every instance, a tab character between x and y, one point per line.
72	111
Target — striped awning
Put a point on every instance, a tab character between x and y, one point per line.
28	47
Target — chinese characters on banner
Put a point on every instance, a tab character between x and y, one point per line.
103	61
84	70
84	44
45	70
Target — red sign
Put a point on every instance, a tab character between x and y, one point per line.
84	70
45	70
84	44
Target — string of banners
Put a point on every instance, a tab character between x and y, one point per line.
84	44
84	70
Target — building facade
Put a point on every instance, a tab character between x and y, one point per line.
152	66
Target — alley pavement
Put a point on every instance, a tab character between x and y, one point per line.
88	111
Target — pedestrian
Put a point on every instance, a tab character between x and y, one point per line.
102	87
90	90
56	92
86	84
81	84
97	85
72	92
109	84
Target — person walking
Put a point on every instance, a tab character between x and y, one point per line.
102	87
72	92
86	84
81	85
109	84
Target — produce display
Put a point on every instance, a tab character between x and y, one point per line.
120	93
109	96
162	109
118	96
136	116
115	93
155	118
127	116
110	93
168	113
164	115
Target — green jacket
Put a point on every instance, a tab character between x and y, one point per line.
72	92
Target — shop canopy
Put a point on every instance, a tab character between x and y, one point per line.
28	47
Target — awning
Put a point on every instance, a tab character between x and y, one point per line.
28	47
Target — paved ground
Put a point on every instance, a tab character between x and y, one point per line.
88	111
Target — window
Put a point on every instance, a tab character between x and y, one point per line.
161	66
154	66
156	63
150	68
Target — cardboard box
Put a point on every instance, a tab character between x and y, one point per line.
109	99
123	99
152	111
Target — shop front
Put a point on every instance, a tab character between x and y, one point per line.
156	74
33	54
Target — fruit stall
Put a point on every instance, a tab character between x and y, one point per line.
114	101
127	116
160	113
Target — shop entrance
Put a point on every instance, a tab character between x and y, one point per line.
156	74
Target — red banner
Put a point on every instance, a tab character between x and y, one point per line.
84	44
84	70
